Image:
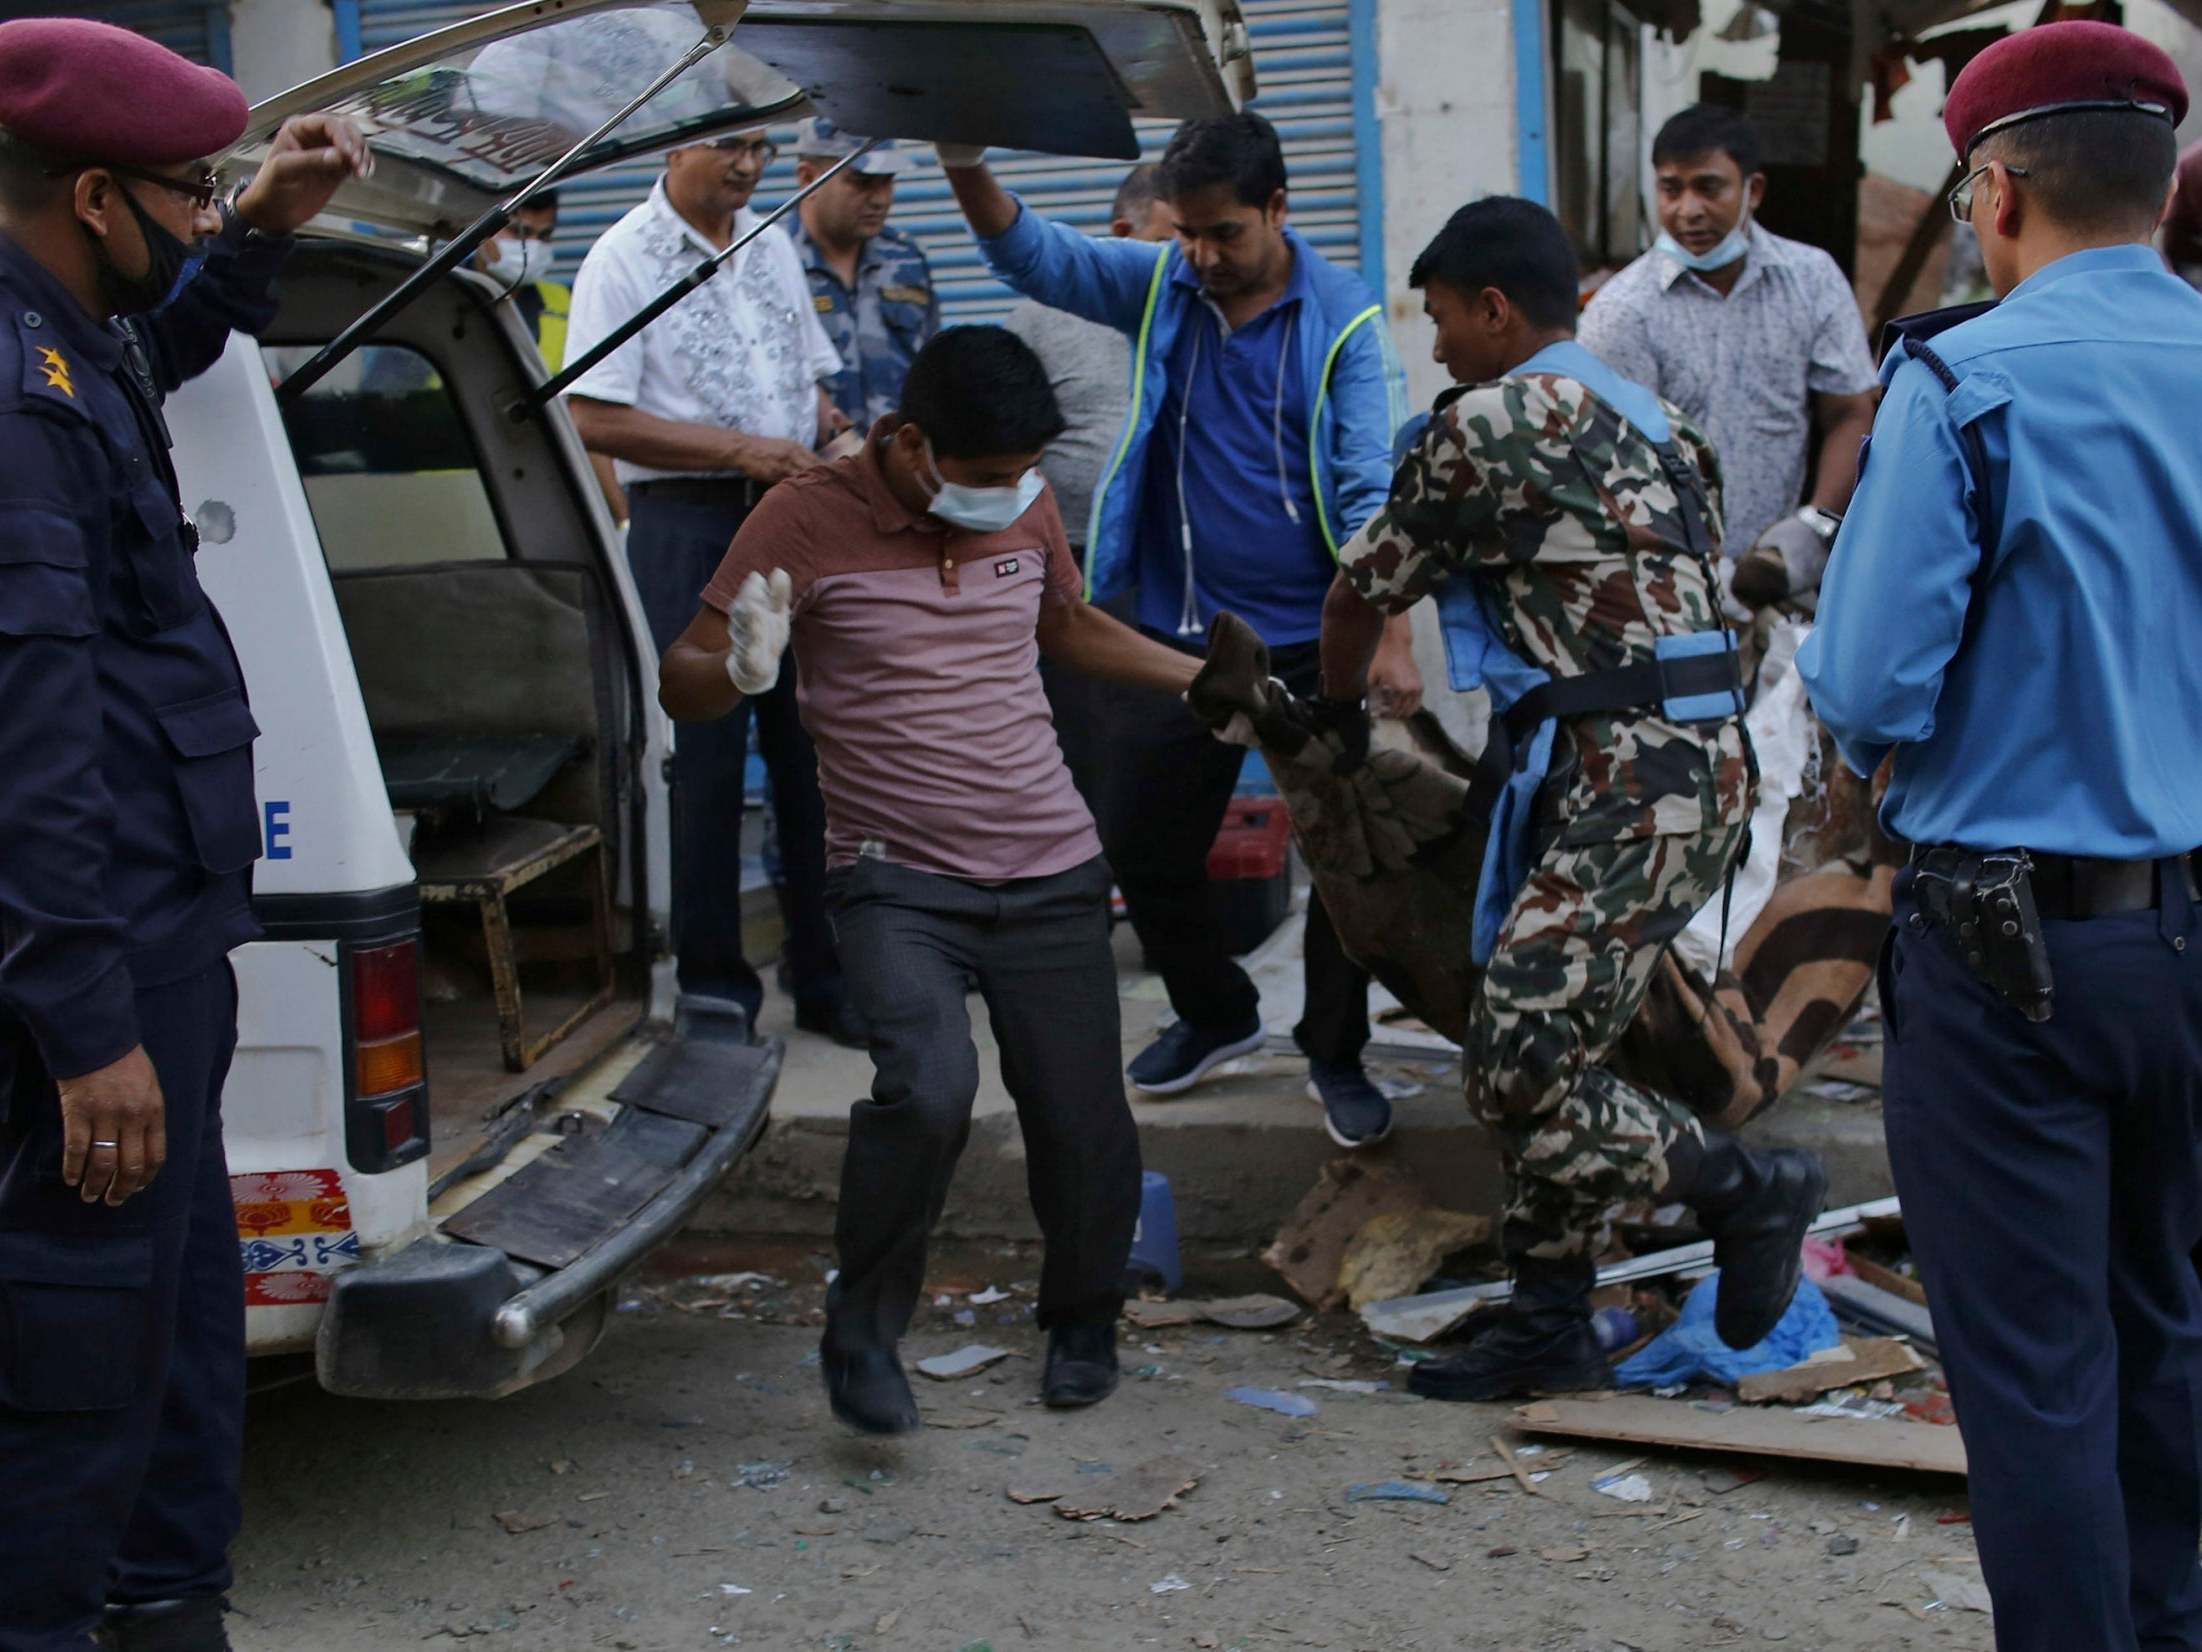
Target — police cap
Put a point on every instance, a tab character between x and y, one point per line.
2058	68
89	91
819	139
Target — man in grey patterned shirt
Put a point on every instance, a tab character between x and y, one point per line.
1757	338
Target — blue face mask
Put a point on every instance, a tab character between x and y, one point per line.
981	510
1731	247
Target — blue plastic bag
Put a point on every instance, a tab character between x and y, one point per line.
1690	1350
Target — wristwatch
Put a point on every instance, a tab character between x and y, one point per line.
1823	523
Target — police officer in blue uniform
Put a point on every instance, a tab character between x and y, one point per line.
2014	609
871	284
127	816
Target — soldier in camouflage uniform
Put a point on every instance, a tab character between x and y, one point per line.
872	285
1587	511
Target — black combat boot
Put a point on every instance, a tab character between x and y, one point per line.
193	1624
866	1389
1539	1343
1757	1207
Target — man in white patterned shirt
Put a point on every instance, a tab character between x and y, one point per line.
1757	338
708	406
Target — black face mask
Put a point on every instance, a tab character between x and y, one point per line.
170	266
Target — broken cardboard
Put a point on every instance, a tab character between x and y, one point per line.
1140	1495
1848	1364
1311	1245
1397	1250
1643	1421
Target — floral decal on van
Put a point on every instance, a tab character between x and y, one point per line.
294	1228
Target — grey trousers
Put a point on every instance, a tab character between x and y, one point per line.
1036	950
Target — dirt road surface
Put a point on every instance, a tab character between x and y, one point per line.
685	1488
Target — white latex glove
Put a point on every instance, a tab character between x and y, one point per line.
960	155
758	627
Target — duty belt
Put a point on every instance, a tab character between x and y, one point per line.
2079	886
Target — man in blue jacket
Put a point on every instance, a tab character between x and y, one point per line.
1264	396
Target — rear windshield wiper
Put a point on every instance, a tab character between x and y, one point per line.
463	246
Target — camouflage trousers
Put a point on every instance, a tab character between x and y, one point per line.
1568	974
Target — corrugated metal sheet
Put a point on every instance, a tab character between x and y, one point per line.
1303	58
197	29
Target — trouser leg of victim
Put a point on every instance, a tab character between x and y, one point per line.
1570	969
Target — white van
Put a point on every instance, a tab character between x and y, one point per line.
464	1100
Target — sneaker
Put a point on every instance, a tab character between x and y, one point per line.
1184	1054
1355	1111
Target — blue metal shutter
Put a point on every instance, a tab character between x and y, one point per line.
197	29
1314	63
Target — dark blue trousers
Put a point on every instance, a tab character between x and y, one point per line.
674	546
122	1344
2052	1184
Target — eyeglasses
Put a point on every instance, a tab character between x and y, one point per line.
760	150
1961	198
201	191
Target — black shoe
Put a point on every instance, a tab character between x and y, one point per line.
1539	1343
868	1391
1184	1054
1081	1364
1757	1207
193	1624
839	1022
1355	1111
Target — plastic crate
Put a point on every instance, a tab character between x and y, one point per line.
1250	872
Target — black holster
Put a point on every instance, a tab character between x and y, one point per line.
1983	905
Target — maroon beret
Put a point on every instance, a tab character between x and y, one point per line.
90	91
2058	67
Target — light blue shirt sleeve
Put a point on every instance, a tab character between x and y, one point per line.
1102	280
1367	407
1892	606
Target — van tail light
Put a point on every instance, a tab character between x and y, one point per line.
386	1113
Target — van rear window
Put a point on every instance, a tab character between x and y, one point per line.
390	471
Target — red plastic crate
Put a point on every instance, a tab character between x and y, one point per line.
1254	842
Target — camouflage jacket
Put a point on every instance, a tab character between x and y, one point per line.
880	327
1536	485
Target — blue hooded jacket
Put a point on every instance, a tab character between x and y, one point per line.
1358	389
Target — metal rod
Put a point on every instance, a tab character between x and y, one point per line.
469	240
558	382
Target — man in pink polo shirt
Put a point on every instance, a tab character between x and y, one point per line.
922	580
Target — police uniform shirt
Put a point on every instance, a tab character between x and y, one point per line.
127	812
2055	708
880	327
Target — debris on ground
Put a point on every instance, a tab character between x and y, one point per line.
1623	1488
1168	1586
1396	1491
1690	1350
1237	1313
1345	1385
1396	1251
963	1362
517	1523
1274	1399
1310	1246
1140	1495
1436	1563
987	1298
1846	1365
1029	1494
1968	1594
1638	1420
1882	1311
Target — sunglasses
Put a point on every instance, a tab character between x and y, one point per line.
1961	198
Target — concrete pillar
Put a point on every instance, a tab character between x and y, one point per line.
275	44
1446	104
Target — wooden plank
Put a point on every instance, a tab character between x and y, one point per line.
1896	1284
1871	1359
1639	1420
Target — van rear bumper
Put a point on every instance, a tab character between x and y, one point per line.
446	1319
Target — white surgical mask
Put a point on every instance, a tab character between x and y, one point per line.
982	510
516	263
1731	247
